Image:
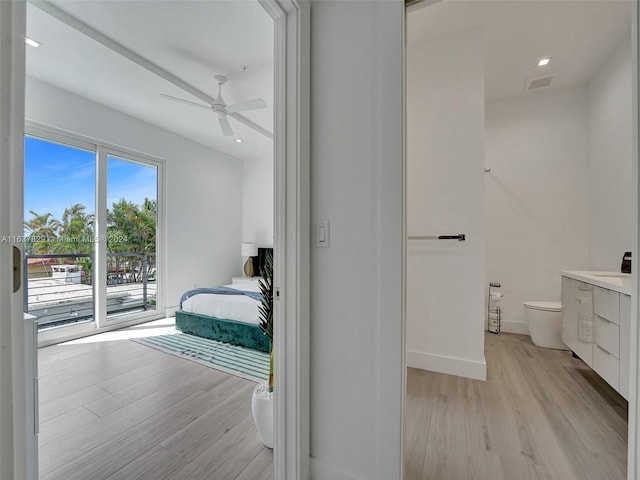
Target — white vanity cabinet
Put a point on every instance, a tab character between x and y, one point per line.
596	313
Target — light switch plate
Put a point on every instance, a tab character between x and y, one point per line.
322	233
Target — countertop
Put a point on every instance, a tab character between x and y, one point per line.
616	281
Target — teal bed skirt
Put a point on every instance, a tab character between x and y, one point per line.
228	331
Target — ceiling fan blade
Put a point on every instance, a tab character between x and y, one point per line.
176	99
226	126
248	105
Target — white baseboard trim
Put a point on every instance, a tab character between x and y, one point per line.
515	327
171	311
323	471
449	365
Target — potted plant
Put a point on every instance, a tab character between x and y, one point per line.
262	400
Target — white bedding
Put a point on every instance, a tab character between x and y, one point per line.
228	307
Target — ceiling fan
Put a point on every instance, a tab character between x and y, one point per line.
221	108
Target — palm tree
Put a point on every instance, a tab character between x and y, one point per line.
132	229
75	230
43	229
137	225
150	206
74	211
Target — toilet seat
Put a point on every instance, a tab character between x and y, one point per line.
544	306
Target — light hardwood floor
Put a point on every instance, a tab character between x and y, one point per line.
113	409
541	414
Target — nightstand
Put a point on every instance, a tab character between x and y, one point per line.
244	279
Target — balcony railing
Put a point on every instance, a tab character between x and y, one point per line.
59	289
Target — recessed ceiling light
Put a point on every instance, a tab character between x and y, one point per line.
544	61
238	140
32	42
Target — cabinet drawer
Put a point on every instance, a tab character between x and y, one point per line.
608	335
606	303
607	366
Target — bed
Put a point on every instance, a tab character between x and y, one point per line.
227	313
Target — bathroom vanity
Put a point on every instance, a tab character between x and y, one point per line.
596	312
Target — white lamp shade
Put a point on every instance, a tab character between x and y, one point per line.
249	249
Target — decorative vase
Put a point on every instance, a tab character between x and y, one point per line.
262	409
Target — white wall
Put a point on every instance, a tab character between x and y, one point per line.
203	188
610	185
257	201
356	283
537	196
445	138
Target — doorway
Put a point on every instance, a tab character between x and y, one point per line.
198	175
513	250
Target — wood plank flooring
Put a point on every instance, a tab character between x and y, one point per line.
113	409
541	414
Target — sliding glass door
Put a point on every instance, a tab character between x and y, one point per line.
59	202
132	211
91	234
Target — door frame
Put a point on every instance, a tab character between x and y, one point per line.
292	226
293	236
15	447
633	459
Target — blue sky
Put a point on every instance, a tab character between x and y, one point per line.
57	176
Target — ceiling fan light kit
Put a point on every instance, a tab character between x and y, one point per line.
220	107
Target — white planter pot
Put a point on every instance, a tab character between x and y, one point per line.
262	409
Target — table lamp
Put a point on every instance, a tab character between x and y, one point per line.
249	250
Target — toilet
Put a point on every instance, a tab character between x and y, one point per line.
545	324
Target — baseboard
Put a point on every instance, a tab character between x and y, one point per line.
170	311
449	365
515	327
321	471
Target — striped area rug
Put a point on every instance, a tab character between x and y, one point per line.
242	362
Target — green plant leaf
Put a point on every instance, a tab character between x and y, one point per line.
266	304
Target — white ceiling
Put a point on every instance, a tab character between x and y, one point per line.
192	40
577	34
195	40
